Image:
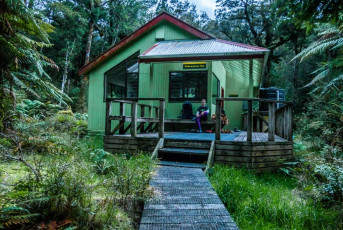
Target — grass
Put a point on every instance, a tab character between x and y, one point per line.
268	201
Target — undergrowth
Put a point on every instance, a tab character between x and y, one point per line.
54	176
269	201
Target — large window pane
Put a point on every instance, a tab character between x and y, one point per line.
122	80
116	81
176	85
132	85
187	85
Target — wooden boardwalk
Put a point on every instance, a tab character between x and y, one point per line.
184	199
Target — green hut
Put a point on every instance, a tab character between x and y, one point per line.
168	58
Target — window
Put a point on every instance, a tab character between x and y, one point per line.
122	80
191	85
215	88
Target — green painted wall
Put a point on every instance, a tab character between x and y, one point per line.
96	105
154	80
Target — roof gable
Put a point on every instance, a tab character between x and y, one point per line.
142	30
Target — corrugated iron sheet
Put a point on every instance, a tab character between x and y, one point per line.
211	47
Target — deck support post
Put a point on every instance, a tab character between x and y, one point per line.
285	122
122	114
290	123
249	123
271	121
108	121
134	119
142	115
251	78
218	116
161	119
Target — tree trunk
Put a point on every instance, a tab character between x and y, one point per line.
266	75
84	81
295	75
89	42
65	72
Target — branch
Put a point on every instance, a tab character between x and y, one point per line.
5	153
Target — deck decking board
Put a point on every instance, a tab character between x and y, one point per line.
184	199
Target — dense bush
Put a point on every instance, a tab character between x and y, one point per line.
55	176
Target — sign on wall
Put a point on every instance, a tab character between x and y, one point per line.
194	65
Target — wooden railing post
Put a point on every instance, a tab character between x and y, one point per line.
249	123
108	121
134	119
285	122
122	114
271	121
156	112
142	115
218	116
290	122
161	119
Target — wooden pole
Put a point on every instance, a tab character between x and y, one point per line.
271	122
251	79
161	119
290	122
249	123
108	121
122	114
285	122
134	119
218	115
142	115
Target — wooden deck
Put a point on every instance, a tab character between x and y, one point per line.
257	137
236	137
184	199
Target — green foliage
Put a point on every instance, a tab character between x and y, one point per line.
35	108
101	160
79	185
23	32
268	201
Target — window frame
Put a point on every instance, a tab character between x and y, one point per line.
126	74
178	100
218	88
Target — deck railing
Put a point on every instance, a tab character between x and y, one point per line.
279	121
154	123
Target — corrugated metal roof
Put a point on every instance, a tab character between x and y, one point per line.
191	48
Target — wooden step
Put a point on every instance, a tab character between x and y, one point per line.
175	143
198	152
182	164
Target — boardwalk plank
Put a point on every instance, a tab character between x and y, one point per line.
184	199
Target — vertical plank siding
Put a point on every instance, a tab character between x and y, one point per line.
96	104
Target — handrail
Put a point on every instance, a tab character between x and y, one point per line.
130	102
273	118
253	99
159	114
136	99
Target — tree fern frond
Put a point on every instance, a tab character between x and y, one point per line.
319	77
22	85
25	39
327	88
318	48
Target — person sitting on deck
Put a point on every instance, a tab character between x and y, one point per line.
202	113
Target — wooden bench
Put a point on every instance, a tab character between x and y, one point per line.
188	121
